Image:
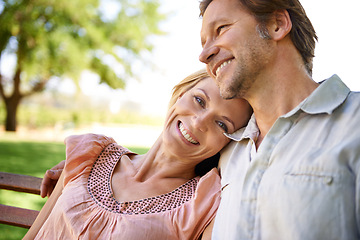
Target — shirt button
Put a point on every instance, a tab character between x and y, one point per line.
328	180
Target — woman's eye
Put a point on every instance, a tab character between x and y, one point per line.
223	126
200	101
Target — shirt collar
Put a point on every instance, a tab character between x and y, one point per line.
250	131
330	94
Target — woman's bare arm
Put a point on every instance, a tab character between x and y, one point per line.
46	210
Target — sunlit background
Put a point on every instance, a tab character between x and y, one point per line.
176	55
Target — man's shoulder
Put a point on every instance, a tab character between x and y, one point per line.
352	104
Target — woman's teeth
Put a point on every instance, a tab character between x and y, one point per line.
221	66
186	135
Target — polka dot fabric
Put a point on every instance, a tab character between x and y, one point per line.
102	194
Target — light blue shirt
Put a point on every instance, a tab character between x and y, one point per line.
304	180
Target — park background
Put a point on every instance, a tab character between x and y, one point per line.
134	116
175	55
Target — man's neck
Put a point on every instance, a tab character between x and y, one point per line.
276	96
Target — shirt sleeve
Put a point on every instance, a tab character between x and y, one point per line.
81	153
196	214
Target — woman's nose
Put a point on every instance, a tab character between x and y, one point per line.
201	122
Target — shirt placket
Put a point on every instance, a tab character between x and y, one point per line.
258	166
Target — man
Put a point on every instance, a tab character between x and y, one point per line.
293	172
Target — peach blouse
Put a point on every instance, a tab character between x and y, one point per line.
87	209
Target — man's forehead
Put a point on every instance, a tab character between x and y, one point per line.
214	14
215	8
220	11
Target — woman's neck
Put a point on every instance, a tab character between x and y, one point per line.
159	163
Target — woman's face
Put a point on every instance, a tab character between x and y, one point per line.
196	123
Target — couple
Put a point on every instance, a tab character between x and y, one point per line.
293	171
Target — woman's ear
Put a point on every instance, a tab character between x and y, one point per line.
281	25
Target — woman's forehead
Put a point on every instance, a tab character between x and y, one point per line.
208	83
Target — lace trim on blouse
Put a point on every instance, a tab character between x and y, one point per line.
99	187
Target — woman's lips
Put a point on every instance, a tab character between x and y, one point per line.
186	135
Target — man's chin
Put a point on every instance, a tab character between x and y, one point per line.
227	95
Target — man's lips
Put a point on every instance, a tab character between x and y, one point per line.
219	66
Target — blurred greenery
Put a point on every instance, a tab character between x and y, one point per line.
45	112
51	38
30	158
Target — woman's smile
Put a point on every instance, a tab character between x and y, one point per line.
187	134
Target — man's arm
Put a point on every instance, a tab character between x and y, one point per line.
50	179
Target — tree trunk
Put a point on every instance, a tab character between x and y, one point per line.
11	112
12	102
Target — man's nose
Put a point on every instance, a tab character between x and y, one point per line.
208	52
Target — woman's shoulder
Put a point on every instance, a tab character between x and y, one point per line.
88	140
202	206
209	186
82	151
211	176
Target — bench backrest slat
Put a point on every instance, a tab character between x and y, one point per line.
20	183
15	216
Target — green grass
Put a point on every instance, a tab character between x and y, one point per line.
30	158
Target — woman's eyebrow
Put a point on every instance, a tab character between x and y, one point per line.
206	95
229	120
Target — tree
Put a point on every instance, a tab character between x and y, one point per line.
61	38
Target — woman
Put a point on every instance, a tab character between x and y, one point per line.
108	192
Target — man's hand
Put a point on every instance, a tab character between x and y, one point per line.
50	179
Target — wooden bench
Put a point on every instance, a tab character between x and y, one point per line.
16	216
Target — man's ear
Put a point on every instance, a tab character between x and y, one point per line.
280	26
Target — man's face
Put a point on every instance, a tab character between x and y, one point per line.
233	50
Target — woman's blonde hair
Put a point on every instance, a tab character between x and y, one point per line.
186	84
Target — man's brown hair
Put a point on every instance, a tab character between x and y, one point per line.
302	34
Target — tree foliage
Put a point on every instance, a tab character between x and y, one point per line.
63	37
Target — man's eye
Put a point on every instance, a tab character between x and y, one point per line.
200	101
223	126
220	29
